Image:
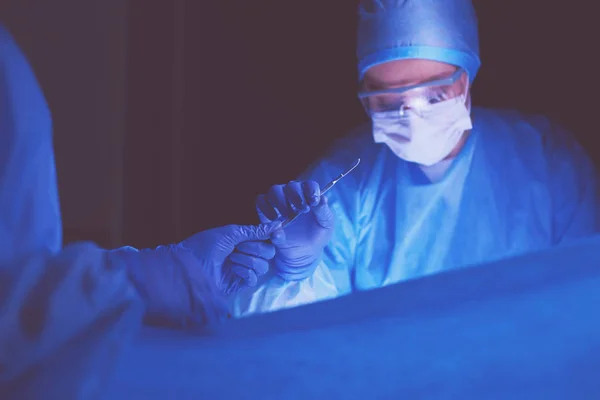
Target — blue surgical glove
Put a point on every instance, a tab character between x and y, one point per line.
234	250
184	284
300	245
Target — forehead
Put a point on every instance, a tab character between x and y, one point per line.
399	73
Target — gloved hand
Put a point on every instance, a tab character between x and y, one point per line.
184	284
300	245
234	250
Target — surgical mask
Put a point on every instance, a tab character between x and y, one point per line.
425	137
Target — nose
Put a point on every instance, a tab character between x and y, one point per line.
404	109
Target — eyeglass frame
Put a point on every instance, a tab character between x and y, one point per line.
438	82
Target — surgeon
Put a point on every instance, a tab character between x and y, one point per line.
66	313
441	184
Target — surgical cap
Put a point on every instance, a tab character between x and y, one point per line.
438	30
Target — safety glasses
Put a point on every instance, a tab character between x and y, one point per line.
414	98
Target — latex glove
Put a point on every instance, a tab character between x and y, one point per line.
183	284
300	245
237	250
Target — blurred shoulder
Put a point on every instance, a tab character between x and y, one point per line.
7	41
527	133
523	126
534	144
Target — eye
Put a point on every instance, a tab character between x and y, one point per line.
436	97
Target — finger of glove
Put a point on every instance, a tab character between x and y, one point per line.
276	197
295	196
256	264
266	212
278	237
248	276
323	214
312	192
263	250
244	233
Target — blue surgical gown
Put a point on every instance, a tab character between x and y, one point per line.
65	314
520	184
29	209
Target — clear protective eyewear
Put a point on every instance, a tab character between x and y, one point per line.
397	102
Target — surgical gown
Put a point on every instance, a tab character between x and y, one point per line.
520	184
64	313
29	209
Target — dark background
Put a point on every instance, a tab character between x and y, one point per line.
216	101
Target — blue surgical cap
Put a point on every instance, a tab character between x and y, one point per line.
439	30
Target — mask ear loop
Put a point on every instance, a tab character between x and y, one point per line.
468	99
468	93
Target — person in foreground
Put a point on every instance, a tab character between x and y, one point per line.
441	185
66	313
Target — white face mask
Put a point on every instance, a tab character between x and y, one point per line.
426	137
